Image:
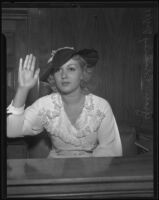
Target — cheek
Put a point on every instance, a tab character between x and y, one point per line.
78	77
56	76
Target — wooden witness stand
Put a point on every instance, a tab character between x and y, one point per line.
81	177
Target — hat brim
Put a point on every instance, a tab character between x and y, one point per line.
89	55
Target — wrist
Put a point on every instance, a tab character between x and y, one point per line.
20	97
11	109
23	90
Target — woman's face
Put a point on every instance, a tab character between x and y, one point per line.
69	76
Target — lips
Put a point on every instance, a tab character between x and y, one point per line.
65	83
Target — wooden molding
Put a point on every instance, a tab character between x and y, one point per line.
80	177
14	13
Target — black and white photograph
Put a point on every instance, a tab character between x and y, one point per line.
81	99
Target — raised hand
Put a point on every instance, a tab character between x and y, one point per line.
27	75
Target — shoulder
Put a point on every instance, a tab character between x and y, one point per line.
46	100
101	105
99	101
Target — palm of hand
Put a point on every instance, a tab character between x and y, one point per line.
28	76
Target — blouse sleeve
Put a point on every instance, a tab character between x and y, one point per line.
22	122
108	136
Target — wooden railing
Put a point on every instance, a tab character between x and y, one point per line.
81	177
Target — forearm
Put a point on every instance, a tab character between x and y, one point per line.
20	97
19	125
22	122
15	126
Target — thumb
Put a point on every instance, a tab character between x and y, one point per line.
36	74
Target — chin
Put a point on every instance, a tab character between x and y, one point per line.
66	90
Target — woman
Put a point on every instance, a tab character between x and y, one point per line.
80	123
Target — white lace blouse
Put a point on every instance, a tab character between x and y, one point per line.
95	132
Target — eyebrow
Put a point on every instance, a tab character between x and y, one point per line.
71	64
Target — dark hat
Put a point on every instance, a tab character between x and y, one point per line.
89	55
62	55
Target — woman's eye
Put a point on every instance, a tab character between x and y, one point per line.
71	69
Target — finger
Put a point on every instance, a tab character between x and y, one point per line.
20	69
29	62
36	74
26	62
32	67
20	64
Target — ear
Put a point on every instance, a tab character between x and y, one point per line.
82	78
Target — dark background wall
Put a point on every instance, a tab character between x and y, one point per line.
122	36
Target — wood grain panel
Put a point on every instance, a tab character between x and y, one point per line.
115	32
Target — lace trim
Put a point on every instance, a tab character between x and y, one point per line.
14	110
51	121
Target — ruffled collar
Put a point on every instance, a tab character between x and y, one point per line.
87	107
88	103
74	133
